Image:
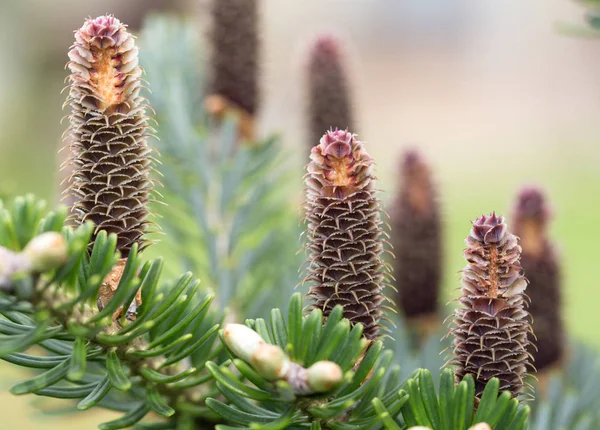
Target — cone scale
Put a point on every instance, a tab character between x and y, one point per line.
344	231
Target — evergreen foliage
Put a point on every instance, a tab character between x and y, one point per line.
165	351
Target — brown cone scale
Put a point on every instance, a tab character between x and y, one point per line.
491	326
344	231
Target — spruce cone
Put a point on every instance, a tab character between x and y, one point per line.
108	132
541	266
344	231
329	104
416	236
492	326
235	52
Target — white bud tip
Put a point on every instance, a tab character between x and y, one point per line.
270	361
481	426
46	251
323	376
242	340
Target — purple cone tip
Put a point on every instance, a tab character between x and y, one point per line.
337	143
489	228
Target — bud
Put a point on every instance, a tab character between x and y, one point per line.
242	341
481	426
108	132
417	239
46	251
542	268
491	326
344	235
270	361
324	376
329	104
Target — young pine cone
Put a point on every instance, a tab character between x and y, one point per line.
344	231
235	50
329	98
491	326
416	236
108	132
542	269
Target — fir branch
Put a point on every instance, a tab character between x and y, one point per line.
228	214
144	357
298	386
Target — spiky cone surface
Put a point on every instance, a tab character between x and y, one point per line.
491	325
344	234
416	236
235	50
329	102
542	269
108	132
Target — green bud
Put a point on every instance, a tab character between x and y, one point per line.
242	340
270	361
323	376
46	251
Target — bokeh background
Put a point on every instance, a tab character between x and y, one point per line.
496	94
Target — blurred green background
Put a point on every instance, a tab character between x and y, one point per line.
492	92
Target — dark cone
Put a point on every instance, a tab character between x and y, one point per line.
344	231
108	132
234	38
491	327
541	267
329	104
416	236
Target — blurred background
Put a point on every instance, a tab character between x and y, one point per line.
494	93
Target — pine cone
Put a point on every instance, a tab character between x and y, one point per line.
235	46
416	236
108	132
344	231
542	269
329	104
491	325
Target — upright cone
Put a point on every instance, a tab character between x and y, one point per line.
542	269
417	240
329	105
344	231
108	132
491	327
234	57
